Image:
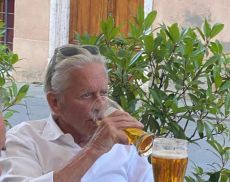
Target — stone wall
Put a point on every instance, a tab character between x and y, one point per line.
31	38
193	12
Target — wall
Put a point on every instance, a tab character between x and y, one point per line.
38	31
193	12
40	27
31	38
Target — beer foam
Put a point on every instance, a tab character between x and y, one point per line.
170	154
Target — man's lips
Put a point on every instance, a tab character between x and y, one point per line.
92	121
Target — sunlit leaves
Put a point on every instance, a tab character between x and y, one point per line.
9	93
171	79
148	21
148	43
217	28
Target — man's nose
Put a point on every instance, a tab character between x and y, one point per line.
99	107
101	100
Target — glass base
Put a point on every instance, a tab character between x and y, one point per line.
144	144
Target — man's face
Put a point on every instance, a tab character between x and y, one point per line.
85	86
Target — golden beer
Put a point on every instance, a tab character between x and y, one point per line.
169	160
141	139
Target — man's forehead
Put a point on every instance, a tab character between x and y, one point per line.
86	80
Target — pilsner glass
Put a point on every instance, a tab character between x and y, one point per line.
169	159
142	140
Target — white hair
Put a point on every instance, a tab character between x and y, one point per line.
59	72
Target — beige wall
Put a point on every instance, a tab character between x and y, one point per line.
31	38
192	12
32	27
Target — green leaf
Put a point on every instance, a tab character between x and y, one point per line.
149	20
189	179
148	43
169	103
210	61
227	153
225	173
2	81
135	31
217	28
225	86
9	114
200	32
216	47
193	98
177	130
104	27
199	170
200	128
214	176
198	52
108	28
227	104
155	96
217	76
88	39
22	93
207	29
208	131
140	16
174	32
224	178
216	146
179	109
188	47
14	89
14	59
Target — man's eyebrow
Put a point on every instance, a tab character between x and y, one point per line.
84	90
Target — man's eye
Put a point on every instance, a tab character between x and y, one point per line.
104	93
86	95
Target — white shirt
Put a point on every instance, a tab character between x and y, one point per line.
35	149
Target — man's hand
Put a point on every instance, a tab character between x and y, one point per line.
111	131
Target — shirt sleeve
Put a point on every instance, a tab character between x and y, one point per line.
20	163
139	169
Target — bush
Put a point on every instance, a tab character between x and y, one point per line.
10	94
172	79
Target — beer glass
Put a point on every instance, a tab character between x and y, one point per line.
169	159
142	140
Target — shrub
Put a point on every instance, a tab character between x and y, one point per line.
10	94
172	79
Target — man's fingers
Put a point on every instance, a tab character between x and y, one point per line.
122	122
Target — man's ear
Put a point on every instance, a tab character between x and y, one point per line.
53	102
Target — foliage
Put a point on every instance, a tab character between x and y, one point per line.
172	79
219	172
10	94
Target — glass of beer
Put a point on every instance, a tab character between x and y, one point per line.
169	159
141	139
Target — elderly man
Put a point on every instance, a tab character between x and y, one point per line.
69	146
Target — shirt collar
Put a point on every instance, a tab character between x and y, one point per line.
52	130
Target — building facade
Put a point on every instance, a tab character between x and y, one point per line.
41	26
